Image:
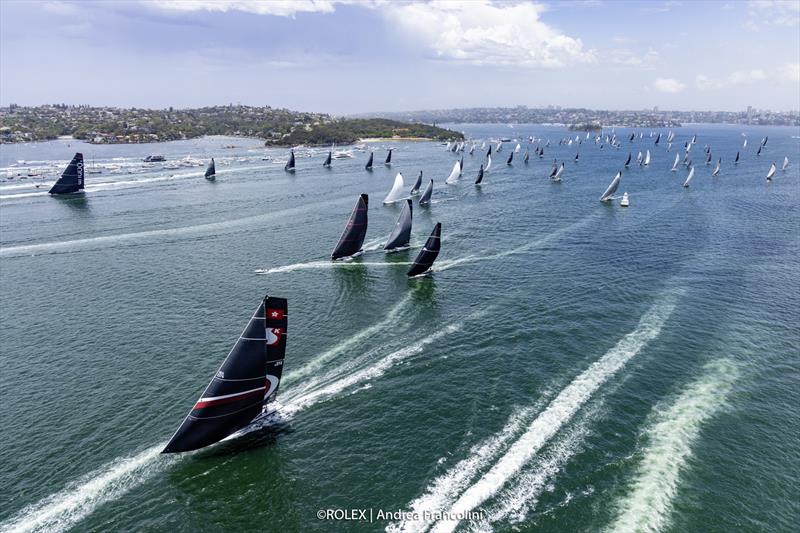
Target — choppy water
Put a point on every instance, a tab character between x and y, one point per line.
571	366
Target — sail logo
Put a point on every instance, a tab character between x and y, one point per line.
274	336
275	314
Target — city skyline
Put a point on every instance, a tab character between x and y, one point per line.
345	57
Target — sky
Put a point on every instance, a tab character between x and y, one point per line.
348	56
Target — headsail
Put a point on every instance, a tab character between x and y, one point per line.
425	199
401	234
454	174
71	180
417	184
290	164
242	387
368	166
211	171
354	232
428	254
327	162
397	190
612	188
479	179
388	157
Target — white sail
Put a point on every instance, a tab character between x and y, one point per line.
517	149
647	158
456	172
771	172
744	144
488	163
560	171
612	188
639	158
689	177
785	162
447	148
675	163
716	168
569	143
397	190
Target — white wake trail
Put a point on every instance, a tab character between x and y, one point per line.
65	508
325	265
558	412
648	504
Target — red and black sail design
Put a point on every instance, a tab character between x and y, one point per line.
247	380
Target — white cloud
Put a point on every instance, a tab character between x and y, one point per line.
481	32
788	73
280	8
772	13
668	85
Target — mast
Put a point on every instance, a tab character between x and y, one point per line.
245	383
428	254
71	180
354	232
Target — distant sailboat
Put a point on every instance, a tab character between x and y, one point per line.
628	161
764	141
771	172
577	156
211	170
489	151
327	163
479	179
639	158
417	185
647	158
527	155
396	193
368	166
689	177
471	149
625	202
785	163
759	149
744	144
488	163
245	384
559	172
716	168
454	174
71	180
694	139
425	199
388	157
290	164
510	158
708	158
658	138
736	161
612	188
461	166
355	231
675	163
401	234
517	149
428	254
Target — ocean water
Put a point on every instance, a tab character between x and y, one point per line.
570	365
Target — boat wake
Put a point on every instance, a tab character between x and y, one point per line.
65	508
647	505
324	265
544	427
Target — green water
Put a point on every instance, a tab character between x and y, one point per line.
570	366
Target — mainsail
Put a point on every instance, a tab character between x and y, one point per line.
454	174
510	157
417	184
243	386
689	177
675	163
479	179
368	166
401	234
397	190
527	155
71	180
428	254
290	164
488	163
771	172
628	161
327	162
612	188
425	199
557	176
461	166
388	157
211	171
647	158
736	161
785	162
716	168
354	232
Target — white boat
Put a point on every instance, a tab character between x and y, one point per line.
517	149
624	202
785	163
675	163
488	163
557	176
639	158
612	188
343	154
397	190
689	177
647	158
454	174
771	172
716	168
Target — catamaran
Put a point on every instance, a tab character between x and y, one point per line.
355	231
400	237
244	386
422	264
290	164
425	198
417	185
71	180
368	166
612	188
396	193
211	171
454	174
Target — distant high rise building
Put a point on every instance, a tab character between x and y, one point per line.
749	113
655	109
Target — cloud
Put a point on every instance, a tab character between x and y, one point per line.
772	13
788	73
279	8
480	32
668	85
